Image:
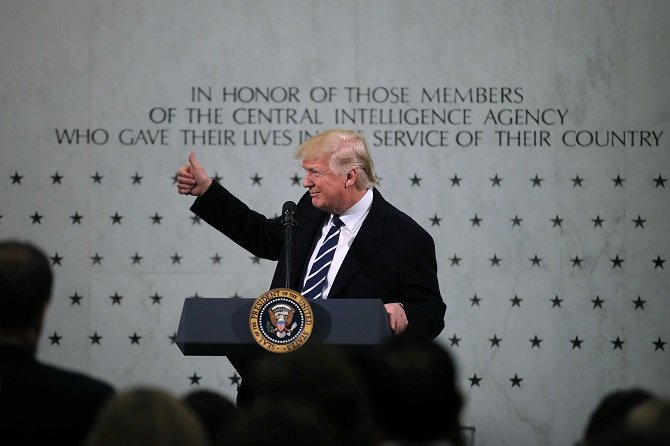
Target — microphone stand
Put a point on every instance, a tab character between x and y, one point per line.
288	222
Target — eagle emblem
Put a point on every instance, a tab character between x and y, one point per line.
281	318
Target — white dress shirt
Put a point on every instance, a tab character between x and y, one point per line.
352	220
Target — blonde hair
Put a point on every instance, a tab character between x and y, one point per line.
147	416
346	150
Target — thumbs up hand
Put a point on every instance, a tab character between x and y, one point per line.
192	178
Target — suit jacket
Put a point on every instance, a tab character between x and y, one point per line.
42	404
392	258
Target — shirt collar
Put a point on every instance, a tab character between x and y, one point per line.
354	216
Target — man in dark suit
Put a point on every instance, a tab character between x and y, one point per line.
39	403
381	253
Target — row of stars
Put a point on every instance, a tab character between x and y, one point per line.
455	260
556	302
435	220
415	180
536	342
454	341
475	380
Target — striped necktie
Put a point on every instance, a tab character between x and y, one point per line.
317	274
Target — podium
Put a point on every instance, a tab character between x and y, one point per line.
220	326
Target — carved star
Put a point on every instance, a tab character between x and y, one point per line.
255	260
660	181
195	220
495	341
174	179
156	219
37	218
196	295
96	259
256	180
295	180
95	339
76	299
416	181
116	298
455	180
176	258
535	260
576	261
475	300
236	296
435	220
597	221
516	221
97	178
658	262
556	302
495	260
235	379
76	218
454	341
558	221
577	181
639	303
618	181
155	299
516	381
173	338
659	344
455	260
137	179
137	259
475	380
134	339
537	181
55	338
476	221
195	379
56	178
56	259
116	218
616	262
16	178
576	343
597	302
639	221
216	259
495	181
516	301
535	342
618	343
217	177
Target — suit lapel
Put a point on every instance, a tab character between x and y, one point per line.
364	247
304	236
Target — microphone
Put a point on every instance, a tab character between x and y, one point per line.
287	213
288	222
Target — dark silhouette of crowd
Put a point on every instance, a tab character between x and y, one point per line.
403	393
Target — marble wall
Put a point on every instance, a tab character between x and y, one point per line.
529	138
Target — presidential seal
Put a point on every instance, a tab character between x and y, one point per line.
281	320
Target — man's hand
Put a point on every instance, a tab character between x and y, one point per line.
397	317
192	178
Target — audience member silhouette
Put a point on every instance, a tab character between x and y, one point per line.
284	421
214	410
413	387
609	415
39	403
647	424
147	416
325	380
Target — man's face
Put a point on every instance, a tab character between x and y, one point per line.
326	187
